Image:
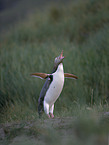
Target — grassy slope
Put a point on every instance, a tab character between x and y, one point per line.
82	31
14	11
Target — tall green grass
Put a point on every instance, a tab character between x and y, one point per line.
81	30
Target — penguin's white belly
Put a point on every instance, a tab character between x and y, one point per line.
55	88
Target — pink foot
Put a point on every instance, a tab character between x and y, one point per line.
52	116
48	115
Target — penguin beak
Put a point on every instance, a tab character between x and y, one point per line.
61	56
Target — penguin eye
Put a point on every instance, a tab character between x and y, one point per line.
55	58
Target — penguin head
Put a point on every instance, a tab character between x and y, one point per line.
59	59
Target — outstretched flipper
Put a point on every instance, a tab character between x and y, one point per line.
40	75
71	76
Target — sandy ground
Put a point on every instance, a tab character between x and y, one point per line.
30	132
56	131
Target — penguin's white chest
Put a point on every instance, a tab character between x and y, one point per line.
56	86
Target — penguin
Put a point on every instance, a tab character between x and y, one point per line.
52	87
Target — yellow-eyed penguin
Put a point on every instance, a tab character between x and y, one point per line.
52	87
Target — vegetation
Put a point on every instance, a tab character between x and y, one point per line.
81	30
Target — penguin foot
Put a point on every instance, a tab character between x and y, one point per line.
52	116
48	115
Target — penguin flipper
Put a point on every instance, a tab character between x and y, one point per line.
40	75
71	76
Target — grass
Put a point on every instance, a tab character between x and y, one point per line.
81	30
33	45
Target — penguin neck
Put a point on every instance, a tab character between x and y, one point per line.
58	68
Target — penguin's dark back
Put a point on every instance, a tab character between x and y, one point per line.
43	93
